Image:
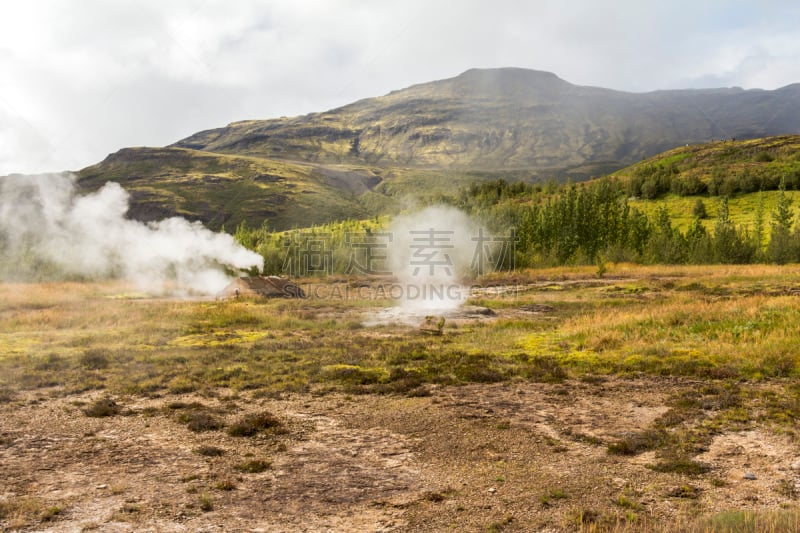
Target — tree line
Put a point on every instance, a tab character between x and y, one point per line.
654	180
570	224
591	222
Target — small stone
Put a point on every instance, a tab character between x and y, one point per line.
749	475
100	487
492	490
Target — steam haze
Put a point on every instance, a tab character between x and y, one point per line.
48	231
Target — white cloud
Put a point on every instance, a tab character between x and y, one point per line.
80	80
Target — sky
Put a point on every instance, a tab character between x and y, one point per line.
81	79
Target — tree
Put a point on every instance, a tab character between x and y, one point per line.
244	236
782	216
731	245
666	244
650	189
699	244
758	237
781	244
699	210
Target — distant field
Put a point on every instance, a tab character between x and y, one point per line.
644	400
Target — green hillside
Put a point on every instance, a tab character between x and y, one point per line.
717	168
747	172
223	189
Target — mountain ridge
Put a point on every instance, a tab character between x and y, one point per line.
509	118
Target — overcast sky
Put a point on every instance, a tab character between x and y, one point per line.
81	79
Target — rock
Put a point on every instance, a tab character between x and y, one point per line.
749	475
538	308
100	487
492	490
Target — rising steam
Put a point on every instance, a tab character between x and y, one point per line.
48	231
431	253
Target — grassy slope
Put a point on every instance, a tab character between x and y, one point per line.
770	157
222	189
730	158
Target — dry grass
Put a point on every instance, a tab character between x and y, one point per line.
732	329
24	511
700	321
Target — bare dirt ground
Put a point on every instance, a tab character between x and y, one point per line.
511	456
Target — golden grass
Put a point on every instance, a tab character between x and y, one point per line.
707	321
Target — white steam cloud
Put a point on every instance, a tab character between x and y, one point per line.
432	252
47	230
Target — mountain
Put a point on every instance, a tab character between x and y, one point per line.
509	119
363	159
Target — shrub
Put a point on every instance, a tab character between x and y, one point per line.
198	421
181	385
635	443
680	465
254	466
6	394
185	405
552	494
209	451
352	374
546	369
102	408
206	503
225	484
94	360
249	425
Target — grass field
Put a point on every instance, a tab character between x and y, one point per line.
742	208
643	400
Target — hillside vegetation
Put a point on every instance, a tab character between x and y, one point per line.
722	168
598	221
223	190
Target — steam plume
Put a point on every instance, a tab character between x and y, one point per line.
47	230
431	252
